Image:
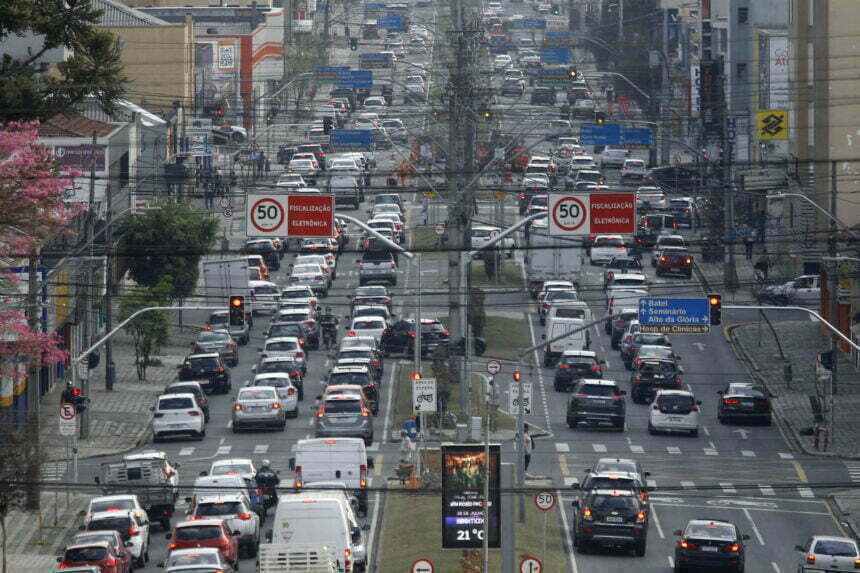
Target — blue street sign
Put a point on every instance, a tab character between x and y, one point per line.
374	7
390	23
675	315
600	134
351	139
534	23
558	35
357	79
555	56
374	60
323	74
636	136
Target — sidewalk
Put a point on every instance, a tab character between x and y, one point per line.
711	274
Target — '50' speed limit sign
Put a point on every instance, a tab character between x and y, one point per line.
568	215
266	216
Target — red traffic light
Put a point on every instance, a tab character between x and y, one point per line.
237	301
76	391
714	300
416	376
517	375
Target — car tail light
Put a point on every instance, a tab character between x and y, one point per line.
291	391
360	264
362	476
193	413
640	517
595	368
264	356
158	415
733	548
563	367
446	333
857	564
637	380
375	363
617	397
320	413
688	260
300	354
546	305
694	408
587	514
301	341
761	403
365	413
276	405
297	482
244	516
688	544
731	401
662	259
656	407
810	559
133	530
171	546
346	558
522	196
238	407
219	369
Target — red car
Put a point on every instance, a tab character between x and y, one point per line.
112	537
97	554
205	533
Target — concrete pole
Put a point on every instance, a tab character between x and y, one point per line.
88	279
833	287
506	513
33	390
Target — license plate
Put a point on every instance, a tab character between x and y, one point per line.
675	419
710	549
614	519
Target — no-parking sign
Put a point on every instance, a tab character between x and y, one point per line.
577	214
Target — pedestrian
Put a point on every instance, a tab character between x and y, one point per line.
266	163
209	195
762	266
528	446
749	241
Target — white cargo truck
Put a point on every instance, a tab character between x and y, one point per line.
551	258
296	558
227	278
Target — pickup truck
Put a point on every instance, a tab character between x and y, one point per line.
292	558
674	261
149	475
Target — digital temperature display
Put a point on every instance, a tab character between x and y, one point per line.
464	467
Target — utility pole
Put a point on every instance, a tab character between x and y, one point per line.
110	370
833	288
665	143
730	276
326	13
32	426
620	20
88	280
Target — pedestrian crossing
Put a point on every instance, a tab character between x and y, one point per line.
259	449
853	471
672	487
54	471
619	449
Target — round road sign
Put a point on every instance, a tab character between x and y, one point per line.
494	367
422	566
531	565
228	213
68	411
439	229
545	500
225	202
569	213
267	215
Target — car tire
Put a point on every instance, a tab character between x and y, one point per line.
680	568
201	434
641	548
571	424
694	433
547	361
236	429
615	344
651	429
542	321
721	419
618	425
140	562
251	550
155	438
582	547
234	363
369	440
556	386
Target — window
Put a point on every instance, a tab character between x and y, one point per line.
742	71
743	15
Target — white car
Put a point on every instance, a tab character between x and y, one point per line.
369	326
282	346
291	180
607	247
482	234
197	559
502	61
828	553
236	510
650	198
265	296
233	466
303	167
674	411
324	261
311	275
288	394
633	169
613	157
132	525
300	292
176	414
383	208
375	102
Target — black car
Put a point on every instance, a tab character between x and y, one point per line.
297	329
610	518
577	92
620	266
359	375
616	327
401	337
682	211
651	227
675	178
650	375
596	401
362	352
622	470
264	247
543	96
574	365
742	401
208	369
712	544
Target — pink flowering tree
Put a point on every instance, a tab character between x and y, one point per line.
32	208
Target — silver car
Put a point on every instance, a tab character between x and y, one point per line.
258	406
218	341
288	394
284	346
344	416
311	275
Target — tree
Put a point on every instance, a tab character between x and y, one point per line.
93	69
167	243
19	450
150	330
476	312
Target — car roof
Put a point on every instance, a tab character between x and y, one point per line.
282	339
196	522
224	497
629	276
598	381
188	395
113	513
357	368
267	375
582	353
225	461
203	355
675	393
102	544
614	493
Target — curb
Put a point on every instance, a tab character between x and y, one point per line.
842	512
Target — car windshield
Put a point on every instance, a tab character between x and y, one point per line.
609	242
110	505
342	406
645	338
675	402
561	295
219	508
293	316
368	325
82	554
612	502
672	242
232	468
578	361
629	282
282	345
835	547
201	364
119	523
656	351
265	289
285	330
348	378
605	482
256	394
213	337
565	312
355	354
711	530
276	366
197	533
656	368
598	390
175	403
180	559
371	291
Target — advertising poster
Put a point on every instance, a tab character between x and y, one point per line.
463	471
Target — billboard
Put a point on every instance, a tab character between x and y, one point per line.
711	97
463	469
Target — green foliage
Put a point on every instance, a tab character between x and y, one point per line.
94	67
476	312
167	243
150	330
20	463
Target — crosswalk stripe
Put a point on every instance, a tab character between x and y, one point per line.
637	449
562	447
651	483
673	450
570	481
600	448
261	448
728	487
186	451
374	447
766	490
223	450
711	452
688	484
748	453
805	492
786	456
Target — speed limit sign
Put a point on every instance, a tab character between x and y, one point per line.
266	216
568	215
545	500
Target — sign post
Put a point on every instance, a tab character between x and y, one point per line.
68	416
578	214
527	400
531	565
674	315
545	501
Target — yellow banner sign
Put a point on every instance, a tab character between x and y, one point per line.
772	124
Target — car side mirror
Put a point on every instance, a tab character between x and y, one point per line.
772	395
204	472
187	500
677	357
601	361
800	548
167	535
371	463
543	336
160	565
745	537
646	474
152	408
82	513
59	558
574	503
678	532
254	368
292	464
178	366
319	397
622	392
357	261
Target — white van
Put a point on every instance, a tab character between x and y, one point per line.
311	518
334	459
563	318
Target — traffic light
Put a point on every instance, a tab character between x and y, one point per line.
573	74
488	114
219	113
517	375
704	151
416	376
326	125
269	119
555	10
237	311
353	44
715	302
600	117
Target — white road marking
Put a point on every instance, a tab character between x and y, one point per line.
766	490
853	471
786	456
608	365
671	562
728	487
311	422
541	384
261	448
711	452
599	448
673	450
699	346
222	440
705	431
570	481
307	436
374	447
775	566
805	492
754	528
186	451
224	450
748	453
651	483
657	522
228	426
387	404
688	484
637	449
562	447
602	348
